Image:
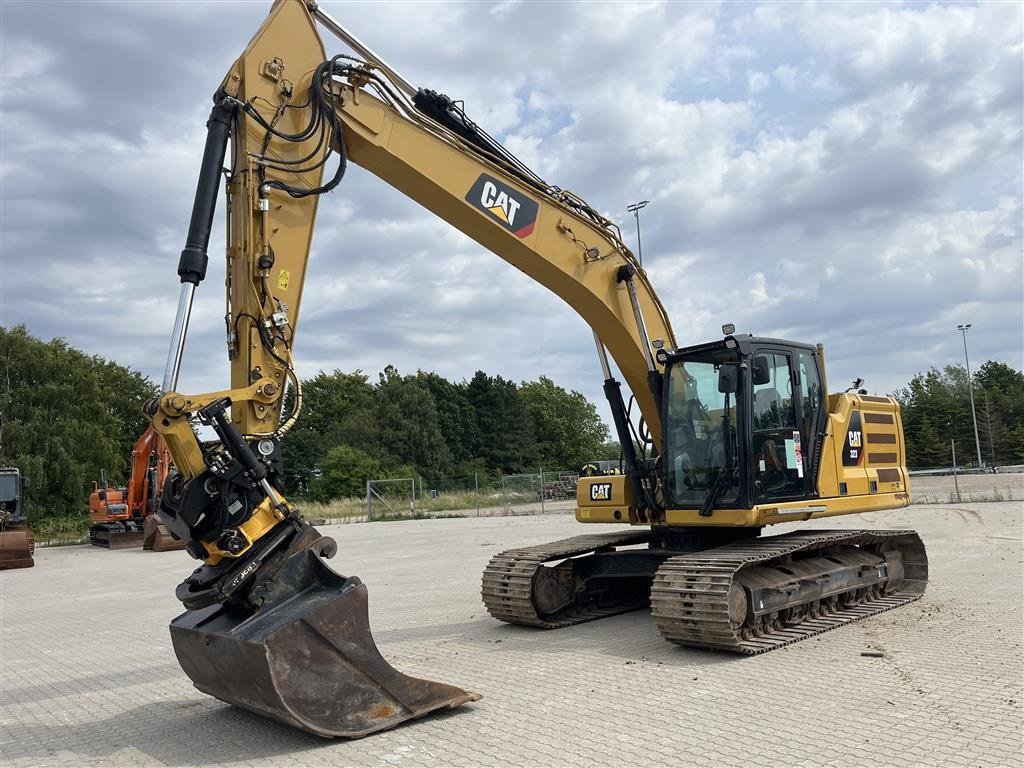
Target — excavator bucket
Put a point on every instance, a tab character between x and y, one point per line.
157	537
309	660
126	535
17	545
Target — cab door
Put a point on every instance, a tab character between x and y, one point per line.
810	413
779	468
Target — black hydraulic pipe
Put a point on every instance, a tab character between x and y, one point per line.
194	259
613	391
215	414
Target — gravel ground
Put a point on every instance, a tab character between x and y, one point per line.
88	677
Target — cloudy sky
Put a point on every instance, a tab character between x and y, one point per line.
843	173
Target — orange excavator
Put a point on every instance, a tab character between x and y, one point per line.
125	517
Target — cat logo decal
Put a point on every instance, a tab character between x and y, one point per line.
513	210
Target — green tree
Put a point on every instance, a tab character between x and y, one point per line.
410	427
566	426
936	408
64	417
337	409
455	415
1001	413
343	473
503	424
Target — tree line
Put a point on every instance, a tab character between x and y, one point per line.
422	425
936	409
66	415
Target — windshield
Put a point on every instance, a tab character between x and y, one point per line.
8	486
700	438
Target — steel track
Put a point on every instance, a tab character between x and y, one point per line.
508	580
689	597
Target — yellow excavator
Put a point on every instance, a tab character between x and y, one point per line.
727	437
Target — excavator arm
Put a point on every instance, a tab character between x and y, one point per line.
149	469
294	120
287	110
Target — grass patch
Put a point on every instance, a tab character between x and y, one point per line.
60	530
445	505
339	510
995	495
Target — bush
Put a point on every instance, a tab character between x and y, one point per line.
343	474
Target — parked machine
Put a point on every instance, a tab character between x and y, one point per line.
729	436
17	542
125	517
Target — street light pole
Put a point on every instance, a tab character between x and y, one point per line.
970	388
635	210
956	484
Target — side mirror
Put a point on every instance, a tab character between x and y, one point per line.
760	372
728	377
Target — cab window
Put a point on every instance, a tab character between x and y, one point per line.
700	434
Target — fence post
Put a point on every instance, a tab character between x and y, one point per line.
956	484
369	504
542	490
476	489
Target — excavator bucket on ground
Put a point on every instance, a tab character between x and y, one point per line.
157	538
126	535
306	656
17	545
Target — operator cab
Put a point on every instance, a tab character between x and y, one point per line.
12	488
744	421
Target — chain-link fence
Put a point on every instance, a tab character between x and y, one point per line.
543	492
391	499
540	493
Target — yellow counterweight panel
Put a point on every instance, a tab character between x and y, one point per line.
863	453
605	499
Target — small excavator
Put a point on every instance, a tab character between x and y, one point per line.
123	518
728	436
17	542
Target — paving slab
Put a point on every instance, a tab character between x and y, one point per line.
88	676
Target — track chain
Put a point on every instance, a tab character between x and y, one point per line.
508	580
689	597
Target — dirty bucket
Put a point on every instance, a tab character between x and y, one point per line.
16	547
306	658
157	537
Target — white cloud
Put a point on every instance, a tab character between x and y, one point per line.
757	82
873	194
